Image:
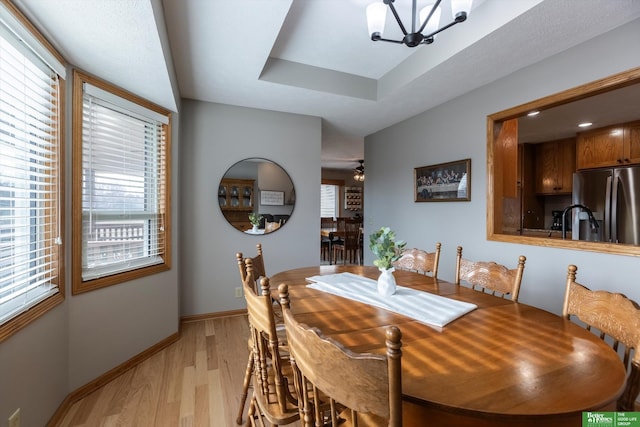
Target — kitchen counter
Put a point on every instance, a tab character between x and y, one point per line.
549	234
538	232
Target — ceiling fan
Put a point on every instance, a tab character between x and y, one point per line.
358	173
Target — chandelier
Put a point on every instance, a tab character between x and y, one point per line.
428	23
358	174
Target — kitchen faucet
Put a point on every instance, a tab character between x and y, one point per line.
592	219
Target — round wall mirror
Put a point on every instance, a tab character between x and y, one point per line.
256	196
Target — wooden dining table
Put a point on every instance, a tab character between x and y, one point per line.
502	364
328	232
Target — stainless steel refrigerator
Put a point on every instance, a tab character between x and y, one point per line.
613	195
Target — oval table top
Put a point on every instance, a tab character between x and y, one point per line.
502	361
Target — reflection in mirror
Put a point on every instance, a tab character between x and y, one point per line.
256	196
541	164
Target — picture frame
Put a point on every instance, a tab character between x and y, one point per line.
271	198
444	182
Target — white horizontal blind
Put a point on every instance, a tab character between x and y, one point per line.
28	43
329	201
29	178
122	188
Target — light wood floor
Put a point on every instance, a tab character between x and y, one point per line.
196	381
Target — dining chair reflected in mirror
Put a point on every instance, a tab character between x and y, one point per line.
419	261
273	399
271	226
363	389
490	277
616	319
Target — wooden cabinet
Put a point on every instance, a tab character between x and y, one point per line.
532	210
609	146
353	198
600	148
632	142
235	197
506	150
506	186
526	209
555	165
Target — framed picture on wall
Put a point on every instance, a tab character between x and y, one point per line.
445	182
271	198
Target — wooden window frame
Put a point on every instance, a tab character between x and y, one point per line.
15	324
78	284
498	194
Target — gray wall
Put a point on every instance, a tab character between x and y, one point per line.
214	137
457	130
33	369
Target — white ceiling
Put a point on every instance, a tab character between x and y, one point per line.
312	57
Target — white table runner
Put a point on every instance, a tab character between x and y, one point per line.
421	306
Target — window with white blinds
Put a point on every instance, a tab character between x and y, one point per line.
329	201
30	179
123	186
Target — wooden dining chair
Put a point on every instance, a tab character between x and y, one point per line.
420	261
326	223
365	388
616	319
349	245
490	277
273	398
337	238
271	226
251	271
257	264
256	271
